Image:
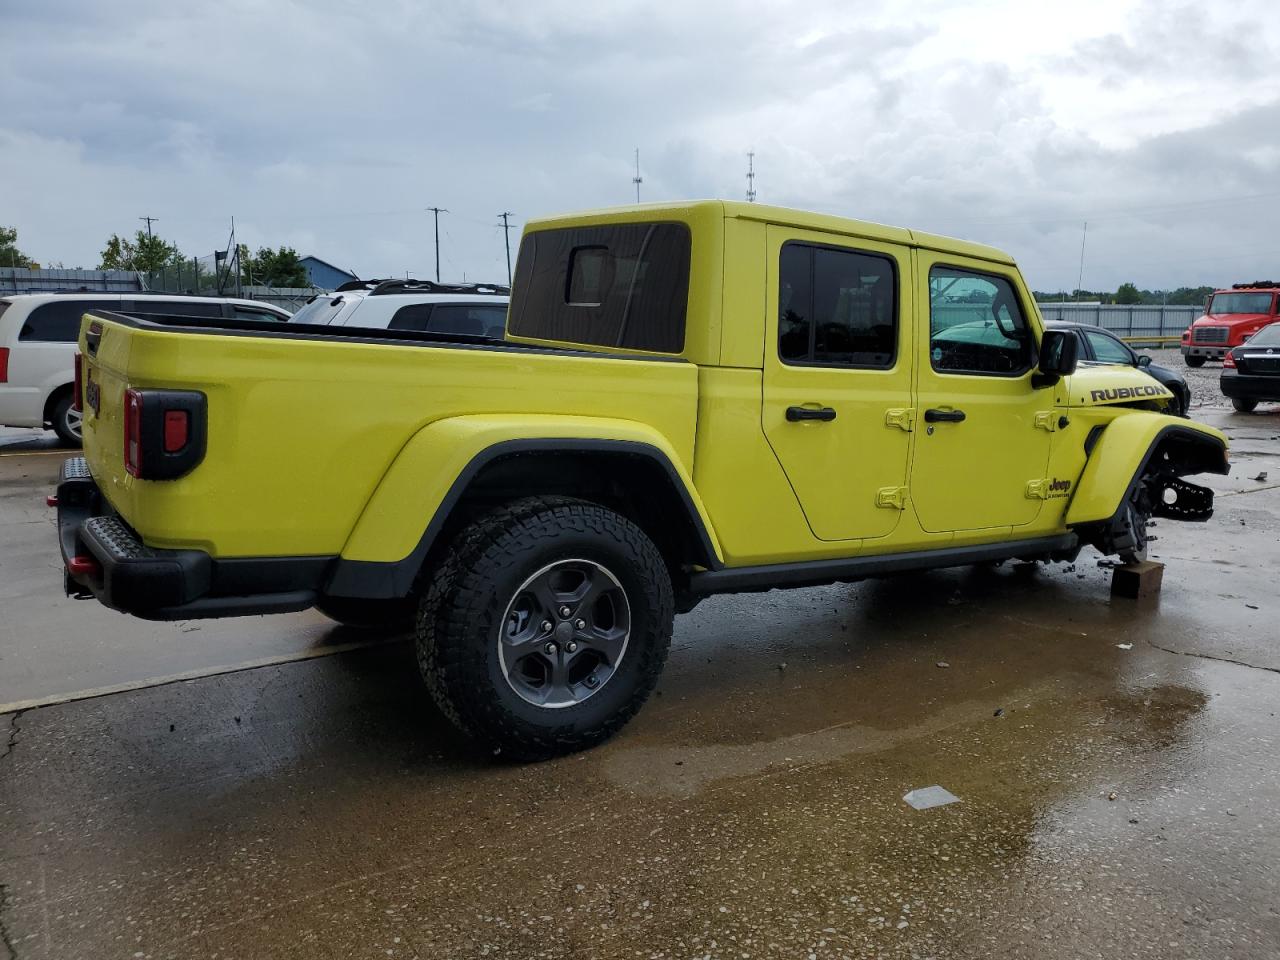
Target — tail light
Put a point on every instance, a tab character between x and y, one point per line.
4	364
1229	361
164	433
77	398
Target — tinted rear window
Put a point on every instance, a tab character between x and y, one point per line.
174	308
59	321
477	320
624	285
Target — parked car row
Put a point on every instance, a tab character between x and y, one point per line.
38	331
38	334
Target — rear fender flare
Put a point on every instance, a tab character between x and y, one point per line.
412	502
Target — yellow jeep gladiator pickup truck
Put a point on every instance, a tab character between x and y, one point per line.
690	399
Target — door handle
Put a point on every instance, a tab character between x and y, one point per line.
810	413
944	416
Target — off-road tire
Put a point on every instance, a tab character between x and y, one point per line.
1194	361
65	421
1244	406
388	616
466	600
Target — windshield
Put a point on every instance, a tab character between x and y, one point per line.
1241	303
1268	336
320	309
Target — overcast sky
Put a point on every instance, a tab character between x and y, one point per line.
329	125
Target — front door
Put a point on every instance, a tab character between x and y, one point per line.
837	368
978	445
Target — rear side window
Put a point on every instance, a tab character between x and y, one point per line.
1108	350
174	308
262	316
976	324
476	320
59	321
836	307
623	285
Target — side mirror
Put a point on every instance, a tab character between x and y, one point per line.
1144	360
1059	350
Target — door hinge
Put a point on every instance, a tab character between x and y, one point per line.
1038	489
900	417
1048	420
893	498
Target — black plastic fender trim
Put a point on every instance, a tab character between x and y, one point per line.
389	579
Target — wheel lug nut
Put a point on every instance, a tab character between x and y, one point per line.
571	646
564	611
550	649
580	624
546	626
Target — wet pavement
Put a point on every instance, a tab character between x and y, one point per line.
1115	764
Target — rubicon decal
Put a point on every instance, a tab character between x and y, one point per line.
1127	393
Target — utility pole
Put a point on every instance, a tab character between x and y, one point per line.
506	235
1084	235
150	220
751	177
437	211
637	179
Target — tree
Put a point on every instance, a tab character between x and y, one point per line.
1128	294
277	268
145	254
10	255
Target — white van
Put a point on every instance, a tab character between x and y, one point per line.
38	333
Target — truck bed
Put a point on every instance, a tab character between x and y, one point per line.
305	421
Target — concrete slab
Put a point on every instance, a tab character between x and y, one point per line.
1116	802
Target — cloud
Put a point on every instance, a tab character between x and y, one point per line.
321	126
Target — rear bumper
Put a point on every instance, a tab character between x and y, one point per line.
103	558
1242	386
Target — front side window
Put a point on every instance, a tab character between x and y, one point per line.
621	285
1106	350
836	307
976	324
1240	303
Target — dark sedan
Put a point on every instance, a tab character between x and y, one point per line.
1103	346
1251	371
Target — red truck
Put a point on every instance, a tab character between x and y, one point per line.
1230	318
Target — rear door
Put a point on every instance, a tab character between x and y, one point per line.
977	445
837	371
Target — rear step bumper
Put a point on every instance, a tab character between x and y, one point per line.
103	558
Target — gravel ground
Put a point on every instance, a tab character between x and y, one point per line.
1203	381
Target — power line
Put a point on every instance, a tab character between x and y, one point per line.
506	235
637	179
438	210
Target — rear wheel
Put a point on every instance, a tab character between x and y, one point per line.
1195	361
545	627
1243	405
66	421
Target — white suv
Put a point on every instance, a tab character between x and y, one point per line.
38	333
468	309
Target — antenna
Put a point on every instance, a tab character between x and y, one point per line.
437	211
751	177
1084	235
637	179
